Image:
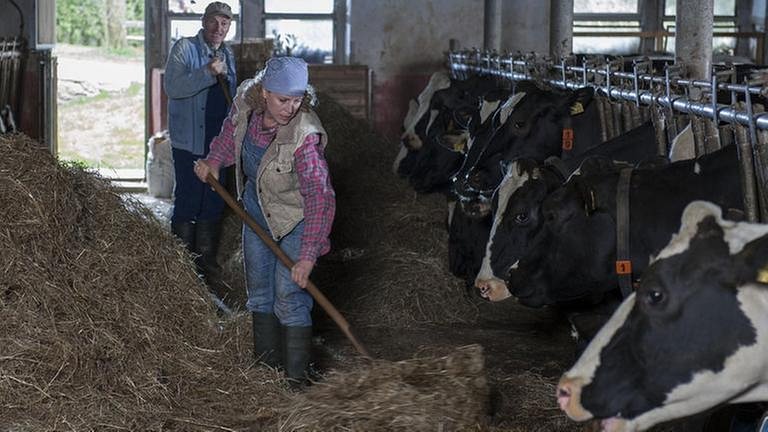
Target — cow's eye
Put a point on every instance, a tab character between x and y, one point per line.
521	218
654	297
519	124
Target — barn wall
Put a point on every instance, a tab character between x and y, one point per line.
525	26
403	42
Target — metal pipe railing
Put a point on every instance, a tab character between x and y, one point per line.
643	88
504	68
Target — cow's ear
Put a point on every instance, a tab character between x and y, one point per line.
557	166
752	261
581	98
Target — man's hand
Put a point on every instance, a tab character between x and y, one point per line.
217	67
202	169
300	272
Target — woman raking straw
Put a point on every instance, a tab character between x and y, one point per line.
277	143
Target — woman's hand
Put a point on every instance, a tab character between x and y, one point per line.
300	272
202	169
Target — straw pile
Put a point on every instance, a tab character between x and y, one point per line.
423	394
103	323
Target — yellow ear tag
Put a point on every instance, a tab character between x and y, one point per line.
577	108
762	275
460	145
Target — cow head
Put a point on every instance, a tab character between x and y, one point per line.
416	119
539	243
693	336
517	224
436	148
573	258
528	125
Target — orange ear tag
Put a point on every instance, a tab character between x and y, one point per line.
567	139
623	267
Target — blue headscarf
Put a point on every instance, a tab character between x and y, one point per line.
286	76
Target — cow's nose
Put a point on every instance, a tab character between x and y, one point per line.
569	398
484	287
411	142
563	395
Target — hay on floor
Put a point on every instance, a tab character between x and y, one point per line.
423	394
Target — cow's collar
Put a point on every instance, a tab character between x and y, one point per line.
623	251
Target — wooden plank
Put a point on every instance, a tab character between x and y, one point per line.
347	84
349	99
339	86
338	74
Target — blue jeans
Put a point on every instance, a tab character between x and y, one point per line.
193	200
268	282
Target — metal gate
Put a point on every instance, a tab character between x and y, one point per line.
10	82
631	91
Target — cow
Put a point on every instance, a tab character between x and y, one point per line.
565	249
433	149
418	110
532	125
535	181
693	336
528	123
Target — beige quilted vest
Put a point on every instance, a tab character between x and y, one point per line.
278	183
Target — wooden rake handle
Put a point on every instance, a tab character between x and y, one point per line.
323	301
224	89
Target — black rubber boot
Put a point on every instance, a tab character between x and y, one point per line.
185	231
207	247
267	338
297	344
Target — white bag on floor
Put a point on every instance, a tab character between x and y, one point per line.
160	176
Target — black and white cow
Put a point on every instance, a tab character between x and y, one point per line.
417	118
565	249
532	125
438	127
525	186
692	337
529	123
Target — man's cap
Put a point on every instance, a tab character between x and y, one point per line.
218	8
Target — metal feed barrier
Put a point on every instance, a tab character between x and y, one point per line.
10	79
627	98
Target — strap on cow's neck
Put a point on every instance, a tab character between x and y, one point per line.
623	252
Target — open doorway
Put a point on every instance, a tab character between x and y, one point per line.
100	96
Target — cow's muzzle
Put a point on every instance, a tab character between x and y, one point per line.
493	289
411	141
475	209
569	398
